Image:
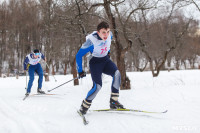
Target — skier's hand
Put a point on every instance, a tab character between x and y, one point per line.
25	71
108	54
82	74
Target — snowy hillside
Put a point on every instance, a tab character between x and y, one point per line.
176	91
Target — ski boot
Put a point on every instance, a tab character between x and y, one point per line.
27	94
84	107
40	91
114	103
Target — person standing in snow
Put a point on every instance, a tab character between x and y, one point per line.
32	65
98	44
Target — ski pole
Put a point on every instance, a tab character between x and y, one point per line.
63	84
52	74
26	80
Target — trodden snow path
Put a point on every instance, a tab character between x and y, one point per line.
176	91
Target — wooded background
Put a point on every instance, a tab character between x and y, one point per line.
148	34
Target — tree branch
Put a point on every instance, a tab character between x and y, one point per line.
196	5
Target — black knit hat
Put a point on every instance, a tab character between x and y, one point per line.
36	51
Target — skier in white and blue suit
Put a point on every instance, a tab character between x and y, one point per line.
98	44
32	65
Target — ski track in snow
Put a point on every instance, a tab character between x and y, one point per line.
176	91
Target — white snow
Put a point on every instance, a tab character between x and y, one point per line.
176	91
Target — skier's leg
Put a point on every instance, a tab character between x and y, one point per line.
31	71
39	71
93	92
96	72
111	69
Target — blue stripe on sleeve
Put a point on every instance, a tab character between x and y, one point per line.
86	47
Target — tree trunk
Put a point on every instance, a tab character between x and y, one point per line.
125	82
0	72
169	65
185	64
3	43
191	63
65	69
141	69
46	75
1	59
74	72
57	67
177	65
155	72
8	73
159	66
53	69
17	76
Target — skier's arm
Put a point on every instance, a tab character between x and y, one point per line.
26	61
43	57
86	47
111	34
108	54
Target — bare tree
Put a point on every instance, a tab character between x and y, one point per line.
2	34
159	37
48	15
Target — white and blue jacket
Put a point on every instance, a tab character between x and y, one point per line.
31	60
95	45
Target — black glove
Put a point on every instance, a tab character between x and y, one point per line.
108	54
82	74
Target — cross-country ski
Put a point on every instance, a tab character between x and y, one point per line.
30	95
130	110
85	122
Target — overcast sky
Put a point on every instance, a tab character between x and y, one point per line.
193	11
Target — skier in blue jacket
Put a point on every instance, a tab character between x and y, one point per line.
32	65
98	44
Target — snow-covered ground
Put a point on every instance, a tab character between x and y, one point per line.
176	91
